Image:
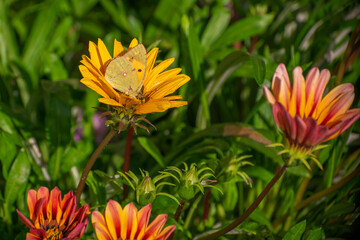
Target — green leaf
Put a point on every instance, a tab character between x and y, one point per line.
5	123
259	69
260	173
18	177
38	42
97	188
7	152
55	67
55	163
58	122
243	29
260	217
224	70
152	149
316	234
296	231
299	170
230	197
215	28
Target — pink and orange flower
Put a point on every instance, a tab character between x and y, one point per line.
54	218
303	114
129	223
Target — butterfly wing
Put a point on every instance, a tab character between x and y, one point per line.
137	57
126	73
120	74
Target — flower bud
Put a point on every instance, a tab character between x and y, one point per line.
189	184
145	191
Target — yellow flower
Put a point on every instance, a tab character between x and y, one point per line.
128	223
157	83
306	118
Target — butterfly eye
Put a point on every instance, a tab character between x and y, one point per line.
139	70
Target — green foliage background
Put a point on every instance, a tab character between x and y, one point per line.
229	49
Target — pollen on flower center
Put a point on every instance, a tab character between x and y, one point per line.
54	233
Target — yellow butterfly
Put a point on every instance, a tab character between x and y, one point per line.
126	73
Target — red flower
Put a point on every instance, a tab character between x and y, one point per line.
52	217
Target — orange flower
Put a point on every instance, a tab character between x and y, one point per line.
129	223
54	218
302	114
157	84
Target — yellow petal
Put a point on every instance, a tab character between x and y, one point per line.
94	55
150	62
118	48
109	101
167	87
104	53
152	75
90	66
133	43
92	85
152	106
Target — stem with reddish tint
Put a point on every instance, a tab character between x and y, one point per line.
207	204
247	213
91	162
127	154
177	215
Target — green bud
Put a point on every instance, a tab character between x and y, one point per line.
145	191
189	184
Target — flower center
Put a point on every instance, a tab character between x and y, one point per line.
54	233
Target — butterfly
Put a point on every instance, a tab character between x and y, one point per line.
126	73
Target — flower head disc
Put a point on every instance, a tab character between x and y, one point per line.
128	223
306	118
133	85
54	218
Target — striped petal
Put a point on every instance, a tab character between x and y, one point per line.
297	101
113	212
155	227
336	103
166	232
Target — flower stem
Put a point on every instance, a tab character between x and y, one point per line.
91	162
177	215
126	165
179	210
206	204
247	213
